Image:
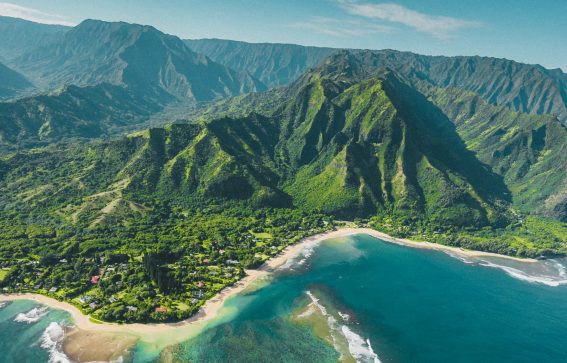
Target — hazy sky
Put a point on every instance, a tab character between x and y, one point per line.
531	31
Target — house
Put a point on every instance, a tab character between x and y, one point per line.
63	260
206	260
161	309
112	300
95	279
198	294
232	262
85	299
53	289
200	284
93	305
132	308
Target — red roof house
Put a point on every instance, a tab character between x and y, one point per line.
95	279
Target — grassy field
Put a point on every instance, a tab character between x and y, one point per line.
3	273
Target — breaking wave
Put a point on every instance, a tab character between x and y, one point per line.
301	256
3	304
359	348
52	341
32	316
549	280
547	272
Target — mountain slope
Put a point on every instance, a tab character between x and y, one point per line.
377	146
138	57
528	150
520	87
12	82
72	112
273	64
18	36
347	147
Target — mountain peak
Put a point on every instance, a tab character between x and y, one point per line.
139	57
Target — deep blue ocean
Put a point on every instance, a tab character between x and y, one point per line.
361	299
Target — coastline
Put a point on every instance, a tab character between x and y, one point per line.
212	307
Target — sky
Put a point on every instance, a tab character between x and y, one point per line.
529	31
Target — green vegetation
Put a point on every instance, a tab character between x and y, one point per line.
148	226
150	271
531	237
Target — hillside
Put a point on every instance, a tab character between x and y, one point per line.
74	112
372	147
527	150
12	82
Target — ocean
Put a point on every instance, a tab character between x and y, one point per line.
357	299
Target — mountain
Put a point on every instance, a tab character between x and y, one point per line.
138	57
334	143
104	78
73	112
12	82
521	87
527	150
18	36
273	64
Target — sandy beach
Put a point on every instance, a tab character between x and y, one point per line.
211	308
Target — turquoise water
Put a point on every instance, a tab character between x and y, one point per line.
29	333
393	303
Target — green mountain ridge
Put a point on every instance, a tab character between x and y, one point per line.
521	87
74	112
527	150
359	143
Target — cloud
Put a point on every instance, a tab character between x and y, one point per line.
17	11
341	27
441	27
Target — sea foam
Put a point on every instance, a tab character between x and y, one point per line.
359	348
52	341
32	316
301	256
551	272
3	304
548	280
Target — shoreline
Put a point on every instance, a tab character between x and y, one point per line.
212	307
